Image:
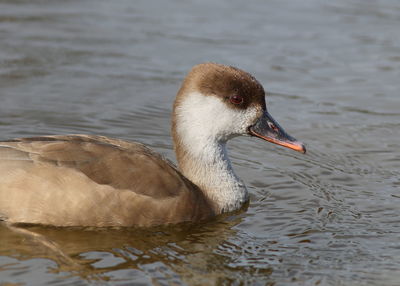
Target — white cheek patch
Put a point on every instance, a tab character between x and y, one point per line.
203	125
203	117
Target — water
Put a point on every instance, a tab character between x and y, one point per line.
330	217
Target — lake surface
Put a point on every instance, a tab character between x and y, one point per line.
332	70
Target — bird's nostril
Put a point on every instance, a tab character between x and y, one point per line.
273	126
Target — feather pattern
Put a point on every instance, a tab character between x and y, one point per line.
93	180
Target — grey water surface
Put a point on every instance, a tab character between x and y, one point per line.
332	70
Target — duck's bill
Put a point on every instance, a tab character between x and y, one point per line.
268	129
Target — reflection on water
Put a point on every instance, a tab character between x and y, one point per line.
184	251
329	217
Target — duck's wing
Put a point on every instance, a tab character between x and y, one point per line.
93	181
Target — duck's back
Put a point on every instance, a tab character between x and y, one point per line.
81	180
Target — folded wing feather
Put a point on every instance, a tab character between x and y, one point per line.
81	180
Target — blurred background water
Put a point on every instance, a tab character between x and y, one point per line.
330	217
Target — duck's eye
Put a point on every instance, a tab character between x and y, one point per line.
236	99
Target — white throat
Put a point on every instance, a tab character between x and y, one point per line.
213	173
203	126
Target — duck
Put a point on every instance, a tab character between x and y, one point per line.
97	181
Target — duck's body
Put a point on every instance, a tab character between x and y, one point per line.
93	181
83	180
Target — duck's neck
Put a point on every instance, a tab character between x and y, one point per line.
203	159
207	165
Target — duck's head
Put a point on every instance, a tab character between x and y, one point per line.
218	102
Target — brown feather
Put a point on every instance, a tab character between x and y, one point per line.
93	181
